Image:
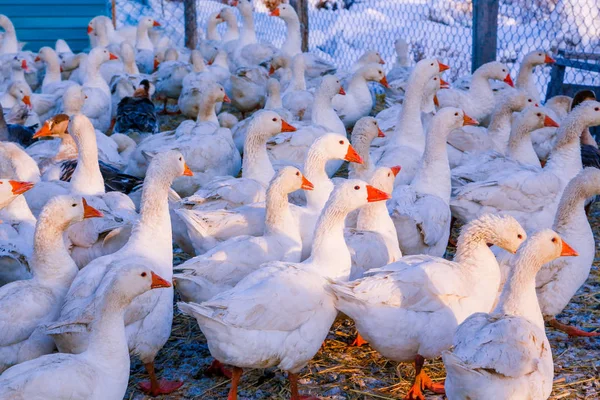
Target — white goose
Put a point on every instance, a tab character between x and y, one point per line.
357	101
410	309
421	210
52	83
296	98
28	304
558	281
228	192
98	106
529	194
102	371
363	133
407	142
374	242
479	100
519	151
11	189
505	354
149	317
9	44
225	265
286	333
144	46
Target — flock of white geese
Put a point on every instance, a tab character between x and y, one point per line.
280	247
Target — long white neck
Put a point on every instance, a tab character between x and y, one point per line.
518	297
499	128
525	75
376	218
330	253
570	214
293	40
18	211
362	144
481	88
206	111
87	178
520	147
314	171
129	63
273	99
248	32
211	30
409	129
153	230
323	113
51	261
10	45
17	74
142	40
472	251
298	80
52	69
256	163
278	218
565	158
233	32
433	175
93	78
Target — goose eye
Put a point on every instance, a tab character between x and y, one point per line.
356	187
597	109
144	274
529	100
539	115
520	236
389	174
180	159
456	114
297	173
503	70
274	119
432	64
435	79
341	142
73	205
553	240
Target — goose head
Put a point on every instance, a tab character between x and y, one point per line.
497	71
245	7
171	163
68	209
286	12
73	99
6	23
215	18
171	54
99	56
10	189
334	146
19	63
541	248
355	193
383	178
430	93
538	57
330	86
227	15
448	119
532	118
365	130
266	124
54	127
69	62
127	52
273	88
502	230
291	179
280	60
197	61
97	22
130	280
370	57
373	72
47	55
21	91
147	23
426	69
214	93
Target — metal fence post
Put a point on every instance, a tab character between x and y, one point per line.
191	23
485	32
301	7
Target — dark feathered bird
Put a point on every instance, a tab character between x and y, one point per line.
114	180
16	133
136	113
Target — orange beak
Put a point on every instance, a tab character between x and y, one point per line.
384	82
90	29
444	84
275	13
158	282
226	99
90	212
443	67
396	170
156	63
381	61
210	62
436	101
43	131
62	69
24	65
353	156
549	122
376	194
469	121
509	80
342	91
380	133
111	56
27	100
155	23
37	59
568	251
271	70
218	16
306	184
285	127
549	60
187	171
20	187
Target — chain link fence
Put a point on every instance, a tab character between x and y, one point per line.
341	30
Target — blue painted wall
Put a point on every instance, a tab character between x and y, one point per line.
41	22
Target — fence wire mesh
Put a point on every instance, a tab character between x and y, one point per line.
341	30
